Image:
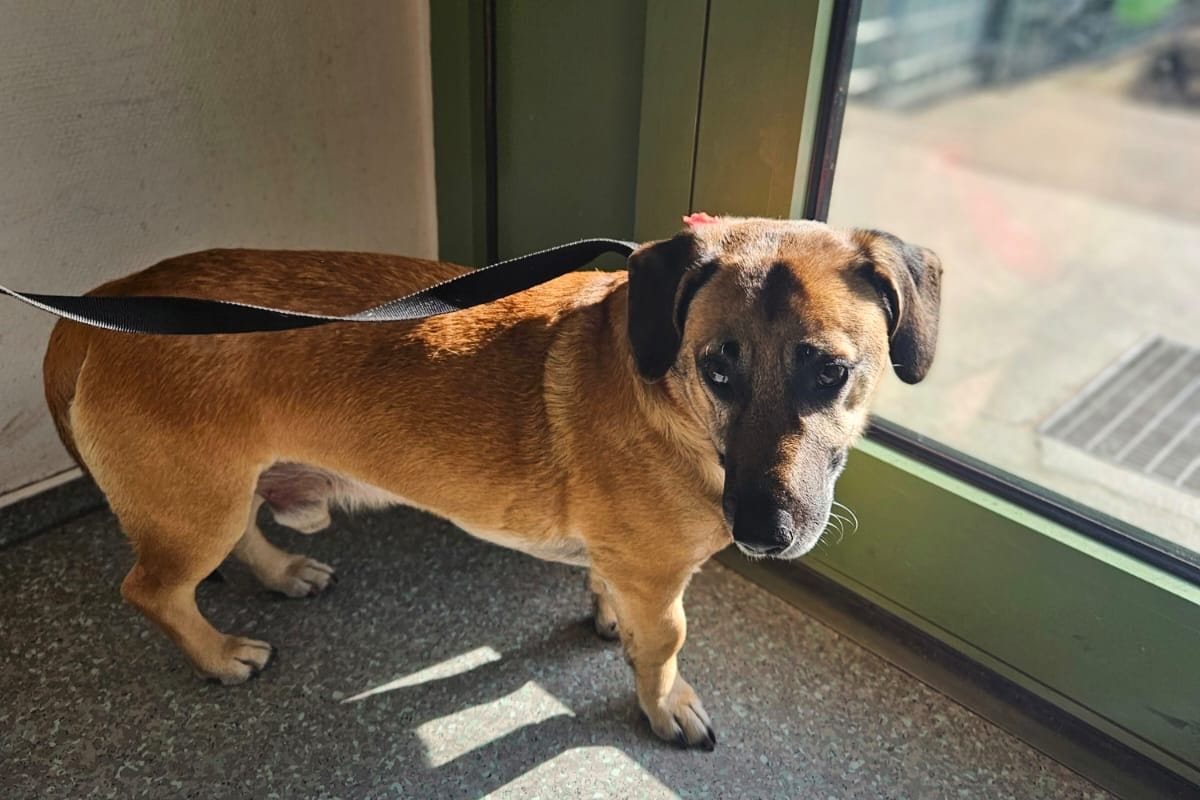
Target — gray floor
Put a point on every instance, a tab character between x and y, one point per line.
490	681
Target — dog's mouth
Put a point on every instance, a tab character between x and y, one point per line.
799	546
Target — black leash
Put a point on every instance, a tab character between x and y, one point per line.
193	316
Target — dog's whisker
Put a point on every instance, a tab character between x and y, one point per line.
835	524
853	517
838	525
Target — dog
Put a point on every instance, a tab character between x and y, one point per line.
634	422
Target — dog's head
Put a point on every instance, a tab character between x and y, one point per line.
774	336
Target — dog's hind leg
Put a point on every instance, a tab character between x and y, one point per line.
182	486
284	572
177	546
311	518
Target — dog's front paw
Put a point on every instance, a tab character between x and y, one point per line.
680	718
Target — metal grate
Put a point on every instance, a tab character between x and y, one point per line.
1142	413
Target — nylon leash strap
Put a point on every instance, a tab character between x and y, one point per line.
193	316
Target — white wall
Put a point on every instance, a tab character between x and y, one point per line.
131	131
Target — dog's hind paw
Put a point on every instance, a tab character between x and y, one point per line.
240	659
303	577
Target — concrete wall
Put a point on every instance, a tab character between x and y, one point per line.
132	131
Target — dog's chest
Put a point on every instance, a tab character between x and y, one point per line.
564	550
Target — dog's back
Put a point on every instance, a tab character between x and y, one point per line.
319	282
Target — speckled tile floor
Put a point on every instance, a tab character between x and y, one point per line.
488	680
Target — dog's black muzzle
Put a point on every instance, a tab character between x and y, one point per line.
760	524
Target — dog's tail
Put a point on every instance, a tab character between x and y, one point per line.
64	359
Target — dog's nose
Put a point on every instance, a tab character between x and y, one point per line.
766	531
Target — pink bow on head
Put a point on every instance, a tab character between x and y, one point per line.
699	218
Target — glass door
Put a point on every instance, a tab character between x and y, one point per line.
1048	152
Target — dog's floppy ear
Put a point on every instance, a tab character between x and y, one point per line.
909	282
663	278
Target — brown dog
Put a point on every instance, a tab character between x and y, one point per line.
633	422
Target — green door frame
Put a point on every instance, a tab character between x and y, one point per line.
726	123
567	99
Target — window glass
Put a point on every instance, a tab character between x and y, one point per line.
1049	152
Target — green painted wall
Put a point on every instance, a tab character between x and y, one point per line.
756	87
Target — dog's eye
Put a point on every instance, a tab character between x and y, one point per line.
717	369
716	374
832	375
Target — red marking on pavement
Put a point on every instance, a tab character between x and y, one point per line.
998	230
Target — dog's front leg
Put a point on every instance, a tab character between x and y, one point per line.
653	628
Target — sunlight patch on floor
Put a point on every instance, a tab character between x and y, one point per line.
454	735
597	772
472	659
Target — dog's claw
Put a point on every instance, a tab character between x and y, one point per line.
254	668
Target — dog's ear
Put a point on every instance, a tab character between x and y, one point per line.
909	282
663	278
